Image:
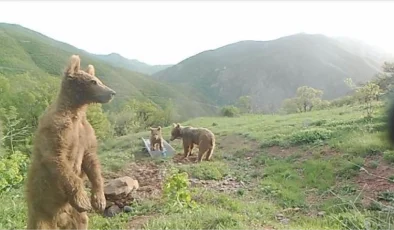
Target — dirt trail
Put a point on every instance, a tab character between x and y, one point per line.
375	179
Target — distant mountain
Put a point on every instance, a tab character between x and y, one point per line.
131	64
24	50
270	71
372	55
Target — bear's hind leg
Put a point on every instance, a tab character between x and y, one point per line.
41	221
72	219
201	153
82	220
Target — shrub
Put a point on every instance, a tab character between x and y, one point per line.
13	169
312	135
344	101
176	194
230	111
388	156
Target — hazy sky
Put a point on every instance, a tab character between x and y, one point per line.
166	32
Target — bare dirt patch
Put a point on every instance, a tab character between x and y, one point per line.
234	142
150	178
149	175
328	151
312	197
180	159
281	151
227	185
373	181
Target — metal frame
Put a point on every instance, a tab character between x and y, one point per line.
168	149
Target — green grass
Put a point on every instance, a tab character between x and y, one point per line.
316	174
206	170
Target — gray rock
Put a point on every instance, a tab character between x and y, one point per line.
120	186
321	213
128	209
112	211
285	221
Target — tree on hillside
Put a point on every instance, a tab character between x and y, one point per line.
123	121
229	111
169	114
244	103
290	105
385	80
15	132
147	113
369	93
366	94
308	97
98	120
136	116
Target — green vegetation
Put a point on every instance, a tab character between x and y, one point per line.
176	195
320	165
230	111
316	172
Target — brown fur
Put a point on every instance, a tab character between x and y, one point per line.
156	139
64	154
190	136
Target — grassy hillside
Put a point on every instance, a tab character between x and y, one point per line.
270	71
328	169
134	65
24	50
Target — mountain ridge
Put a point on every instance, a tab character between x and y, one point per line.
27	51
268	71
271	71
131	64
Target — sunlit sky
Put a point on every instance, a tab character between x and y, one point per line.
166	32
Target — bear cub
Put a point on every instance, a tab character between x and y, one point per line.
156	139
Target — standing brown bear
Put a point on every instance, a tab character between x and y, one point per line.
156	138
190	136
64	153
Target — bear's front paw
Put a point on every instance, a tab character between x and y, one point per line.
98	201
80	201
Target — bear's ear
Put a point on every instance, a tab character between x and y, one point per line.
159	128
90	70
150	128
178	125
74	65
174	125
